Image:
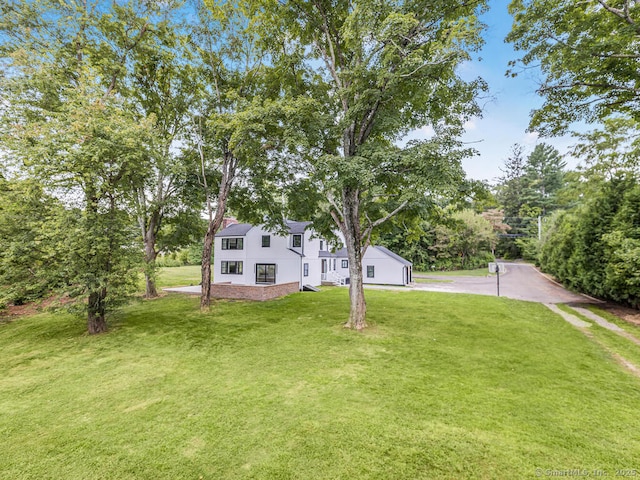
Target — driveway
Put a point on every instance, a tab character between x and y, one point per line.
521	281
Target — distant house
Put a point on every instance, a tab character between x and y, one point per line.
251	256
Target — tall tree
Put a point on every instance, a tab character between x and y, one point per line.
163	85
371	71
68	125
544	177
610	151
234	130
510	186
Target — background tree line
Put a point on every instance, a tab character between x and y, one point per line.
128	119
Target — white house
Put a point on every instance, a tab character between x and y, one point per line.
253	256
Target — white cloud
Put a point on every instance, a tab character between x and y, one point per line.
427	131
530	138
470	125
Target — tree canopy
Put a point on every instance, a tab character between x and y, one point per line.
69	126
365	74
588	54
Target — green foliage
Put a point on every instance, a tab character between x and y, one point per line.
69	125
530	188
190	255
511	185
31	256
587	52
595	247
610	150
544	176
457	241
464	243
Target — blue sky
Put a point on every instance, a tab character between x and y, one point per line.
506	110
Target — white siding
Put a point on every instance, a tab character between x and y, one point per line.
289	264
312	257
340	269
228	255
388	271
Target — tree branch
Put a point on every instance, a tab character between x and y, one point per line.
622	14
372	225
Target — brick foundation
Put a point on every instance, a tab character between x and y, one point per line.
253	292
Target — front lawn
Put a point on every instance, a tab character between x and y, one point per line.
478	272
180	276
441	386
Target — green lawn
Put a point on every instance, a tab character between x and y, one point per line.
179	276
479	272
441	386
430	280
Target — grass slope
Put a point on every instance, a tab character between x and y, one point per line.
441	386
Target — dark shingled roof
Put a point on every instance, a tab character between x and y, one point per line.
297	227
235	230
395	256
342	253
241	229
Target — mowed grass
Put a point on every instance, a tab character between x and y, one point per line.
479	272
430	280
440	386
179	276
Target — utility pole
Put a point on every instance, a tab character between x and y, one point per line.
539	227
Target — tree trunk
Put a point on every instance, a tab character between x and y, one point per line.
97	322
352	234
226	182
205	296
150	255
96	308
150	282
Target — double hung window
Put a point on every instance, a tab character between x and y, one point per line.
231	267
232	243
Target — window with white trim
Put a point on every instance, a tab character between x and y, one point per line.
266	240
345	264
371	271
305	269
296	241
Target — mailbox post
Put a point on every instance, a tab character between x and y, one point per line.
496	268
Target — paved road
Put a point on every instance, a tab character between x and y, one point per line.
521	281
